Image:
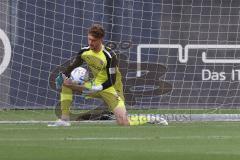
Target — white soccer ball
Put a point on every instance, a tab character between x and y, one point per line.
79	75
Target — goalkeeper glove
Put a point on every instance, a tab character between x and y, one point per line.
59	80
92	88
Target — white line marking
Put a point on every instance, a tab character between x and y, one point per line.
76	139
229	61
106	138
205	46
7	51
140	46
184	58
120	138
46	122
169	117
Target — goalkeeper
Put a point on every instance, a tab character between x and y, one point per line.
106	83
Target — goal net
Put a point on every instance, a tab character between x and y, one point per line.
178	57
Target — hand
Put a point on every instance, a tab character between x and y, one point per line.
96	88
59	80
90	88
73	85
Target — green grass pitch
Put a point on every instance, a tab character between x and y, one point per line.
95	141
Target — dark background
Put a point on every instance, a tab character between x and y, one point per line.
47	33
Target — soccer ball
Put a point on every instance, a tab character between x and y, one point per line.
79	75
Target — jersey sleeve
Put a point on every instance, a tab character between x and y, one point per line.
75	63
111	69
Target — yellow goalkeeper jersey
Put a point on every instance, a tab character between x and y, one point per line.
103	65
